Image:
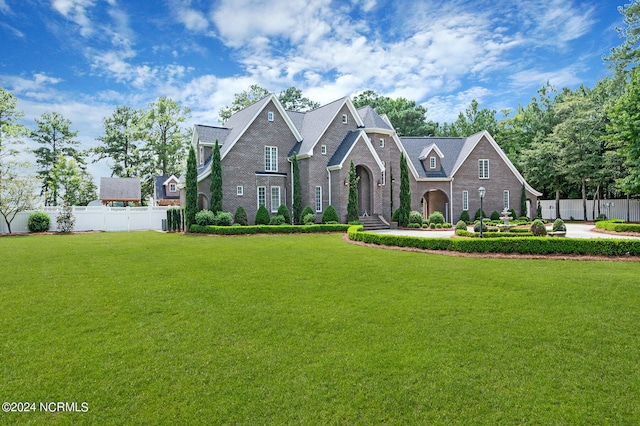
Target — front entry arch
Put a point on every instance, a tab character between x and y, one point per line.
203	202
435	200
365	191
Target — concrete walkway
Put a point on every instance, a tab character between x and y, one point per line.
574	230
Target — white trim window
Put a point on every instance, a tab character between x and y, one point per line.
381	143
465	200
201	150
270	116
172	187
483	169
271	158
240	190
262	196
345	119
323	149
318	199
505	199
432	162
275	198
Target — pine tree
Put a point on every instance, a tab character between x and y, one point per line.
216	180
352	205
191	207
405	193
297	191
523	202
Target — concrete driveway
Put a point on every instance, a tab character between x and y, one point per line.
574	230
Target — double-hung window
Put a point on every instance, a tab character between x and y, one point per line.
271	158
505	199
318	198
465	200
432	162
262	196
275	198
483	169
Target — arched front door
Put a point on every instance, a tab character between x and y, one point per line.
203	202
435	201
365	191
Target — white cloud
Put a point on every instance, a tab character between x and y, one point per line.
4	7
446	108
39	86
193	20
535	78
76	11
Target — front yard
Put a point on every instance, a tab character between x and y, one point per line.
151	328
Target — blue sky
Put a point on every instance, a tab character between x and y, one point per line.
82	58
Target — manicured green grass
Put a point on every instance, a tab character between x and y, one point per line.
152	328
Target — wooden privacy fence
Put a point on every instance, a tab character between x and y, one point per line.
627	210
99	218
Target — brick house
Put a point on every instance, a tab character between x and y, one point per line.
257	143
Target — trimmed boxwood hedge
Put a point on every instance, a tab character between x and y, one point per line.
520	245
617	226
268	229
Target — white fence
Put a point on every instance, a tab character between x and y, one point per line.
99	218
628	210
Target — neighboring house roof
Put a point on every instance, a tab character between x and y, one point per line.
120	189
160	187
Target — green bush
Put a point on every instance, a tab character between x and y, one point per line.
309	219
268	229
394	216
477	215
65	219
559	226
414	225
432	226
514	216
284	212
436	217
415	217
476	226
538	229
307	210
223	219
464	216
240	217
277	220
38	222
205	218
330	215
439	225
618	226
447	225
262	216
461	225
495	215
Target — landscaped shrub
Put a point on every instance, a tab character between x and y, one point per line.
477	215
330	215
307	210
277	220
262	216
476	226
205	217
65	219
414	225
394	215
175	219
513	214
415	217
436	217
439	225
538	229
284	212
223	219
309	219
618	226
464	216
461	225
447	225
268	229
240	217
559	226
495	215
432	226
38	222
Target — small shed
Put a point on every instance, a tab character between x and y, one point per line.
123	190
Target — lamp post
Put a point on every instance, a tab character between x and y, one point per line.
481	192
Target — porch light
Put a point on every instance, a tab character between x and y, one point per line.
346	182
481	192
379	183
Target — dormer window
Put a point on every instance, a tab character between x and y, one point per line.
323	149
432	162
172	187
345	119
381	143
270	116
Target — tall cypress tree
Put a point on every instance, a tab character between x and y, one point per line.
523	202
191	207
352	205
216	180
405	193
297	191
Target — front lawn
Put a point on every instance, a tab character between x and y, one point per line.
151	328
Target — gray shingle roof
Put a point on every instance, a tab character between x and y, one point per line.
343	149
316	122
372	119
451	148
120	189
209	134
